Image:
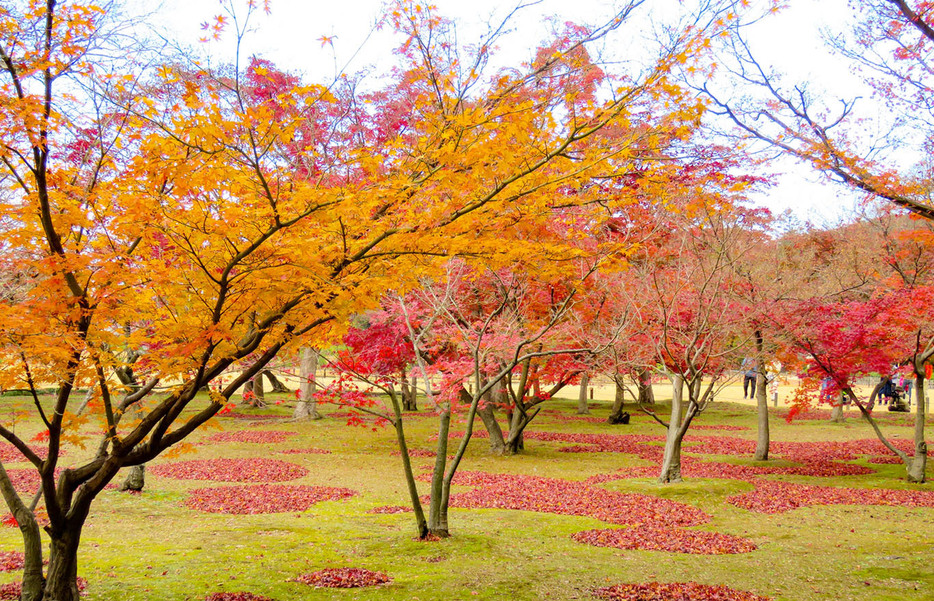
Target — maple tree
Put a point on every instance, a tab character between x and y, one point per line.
697	328
889	45
456	330
869	317
119	219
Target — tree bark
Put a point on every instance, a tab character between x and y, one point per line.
421	524
276	383
762	419
646	394
33	579
762	404
617	413
62	580
487	413
918	464
515	442
836	411
306	407
671	465
582	408
136	479
259	395
409	393
438	507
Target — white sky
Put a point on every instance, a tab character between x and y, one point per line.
290	38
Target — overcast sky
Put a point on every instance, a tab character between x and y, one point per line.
290	35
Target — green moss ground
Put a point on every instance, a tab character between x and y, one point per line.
149	546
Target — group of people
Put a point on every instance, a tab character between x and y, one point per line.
890	392
751	374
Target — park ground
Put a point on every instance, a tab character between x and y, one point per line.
155	546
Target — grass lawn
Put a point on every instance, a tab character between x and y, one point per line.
153	546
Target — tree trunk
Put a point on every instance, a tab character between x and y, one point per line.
438	507
136	479
762	412
276	383
33	580
918	465
617	413
259	395
671	465
646	394
836	411
515	441
84	403
762	405
487	413
421	525
409	393
582	408
306	408
62	579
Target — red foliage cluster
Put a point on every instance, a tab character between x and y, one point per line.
310	450
675	540
673	591
236	597
777	497
343	578
261	436
264	498
231	470
13	590
551	495
11	560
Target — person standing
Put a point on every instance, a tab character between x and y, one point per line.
749	377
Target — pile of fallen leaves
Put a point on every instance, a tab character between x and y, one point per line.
11	560
10	454
776	497
389	509
309	450
674	540
343	578
236	597
231	470
42	518
552	495
13	590
674	591
257	436
263	498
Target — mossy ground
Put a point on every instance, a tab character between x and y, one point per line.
149	546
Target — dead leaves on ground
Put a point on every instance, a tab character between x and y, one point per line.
231	470
252	436
263	498
673	540
673	591
343	578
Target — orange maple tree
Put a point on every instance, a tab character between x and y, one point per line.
202	218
